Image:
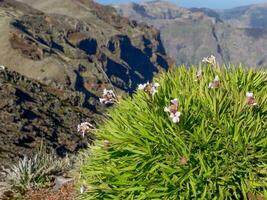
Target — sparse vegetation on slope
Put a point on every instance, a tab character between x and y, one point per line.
33	172
215	148
32	177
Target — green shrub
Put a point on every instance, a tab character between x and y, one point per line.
218	150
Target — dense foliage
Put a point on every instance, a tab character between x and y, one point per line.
217	150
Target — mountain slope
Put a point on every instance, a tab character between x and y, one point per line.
78	45
190	34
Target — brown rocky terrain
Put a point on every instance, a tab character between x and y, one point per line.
32	114
233	36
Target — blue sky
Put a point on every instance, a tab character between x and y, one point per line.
216	4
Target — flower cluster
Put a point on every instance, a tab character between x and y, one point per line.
150	88
251	100
2	67
108	97
173	111
210	60
84	128
215	83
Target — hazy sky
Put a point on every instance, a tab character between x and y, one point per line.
217	4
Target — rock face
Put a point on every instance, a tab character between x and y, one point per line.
78	44
190	34
32	114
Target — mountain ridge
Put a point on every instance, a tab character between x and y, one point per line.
192	34
71	37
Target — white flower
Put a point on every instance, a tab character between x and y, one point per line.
210	85
142	86
82	189
108	97
210	60
205	60
251	100
166	109
215	83
175	117
156	85
2	67
155	88
106	92
249	94
150	88
84	127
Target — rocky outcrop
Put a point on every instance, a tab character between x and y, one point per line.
26	47
32	114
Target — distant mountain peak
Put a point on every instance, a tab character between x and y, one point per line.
159	9
166	2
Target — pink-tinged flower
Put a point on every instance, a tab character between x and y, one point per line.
251	100
199	75
215	83
150	88
173	111
84	128
210	60
108	97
